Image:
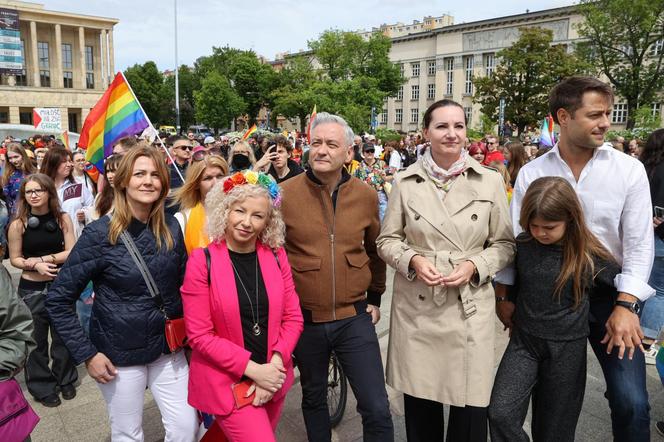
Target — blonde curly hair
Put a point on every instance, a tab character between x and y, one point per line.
218	206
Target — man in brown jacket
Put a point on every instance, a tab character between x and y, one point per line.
331	229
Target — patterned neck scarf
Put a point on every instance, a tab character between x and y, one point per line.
443	179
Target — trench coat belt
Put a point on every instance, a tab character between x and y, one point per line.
445	261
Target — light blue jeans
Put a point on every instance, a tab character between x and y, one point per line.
652	318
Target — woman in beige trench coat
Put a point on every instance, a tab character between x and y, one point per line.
447	231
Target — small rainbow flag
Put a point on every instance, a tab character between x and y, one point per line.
250	131
117	114
311	119
64	136
547	137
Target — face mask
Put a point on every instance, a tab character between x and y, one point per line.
240	162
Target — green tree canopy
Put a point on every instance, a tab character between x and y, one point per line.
216	102
621	42
526	72
345	74
147	83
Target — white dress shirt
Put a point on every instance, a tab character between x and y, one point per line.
615	195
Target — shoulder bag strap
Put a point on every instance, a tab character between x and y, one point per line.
208	262
142	267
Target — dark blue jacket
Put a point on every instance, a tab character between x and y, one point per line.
126	324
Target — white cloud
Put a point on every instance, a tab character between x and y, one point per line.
145	31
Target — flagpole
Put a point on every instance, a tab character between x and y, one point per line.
150	123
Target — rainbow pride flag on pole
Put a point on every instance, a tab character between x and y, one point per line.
250	131
117	114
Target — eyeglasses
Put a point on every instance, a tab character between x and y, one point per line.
370	151
185	147
35	192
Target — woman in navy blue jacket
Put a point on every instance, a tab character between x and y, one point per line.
127	350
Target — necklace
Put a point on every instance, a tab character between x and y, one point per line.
256	329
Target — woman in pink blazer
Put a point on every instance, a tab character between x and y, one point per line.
243	318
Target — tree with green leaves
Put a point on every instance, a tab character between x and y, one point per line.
527	71
188	84
216	102
147	82
354	75
625	41
251	79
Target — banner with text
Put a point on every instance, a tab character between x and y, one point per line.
47	119
11	55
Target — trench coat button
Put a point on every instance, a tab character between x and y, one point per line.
474	217
417	217
420	297
419	180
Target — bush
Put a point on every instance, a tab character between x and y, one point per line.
388	135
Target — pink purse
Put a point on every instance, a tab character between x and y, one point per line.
17	418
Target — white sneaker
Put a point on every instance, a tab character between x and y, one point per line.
651	354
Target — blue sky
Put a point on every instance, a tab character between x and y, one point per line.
145	31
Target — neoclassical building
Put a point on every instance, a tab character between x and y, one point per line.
67	63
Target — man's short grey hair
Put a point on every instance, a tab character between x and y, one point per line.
327	118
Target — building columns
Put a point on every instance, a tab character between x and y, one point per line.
104	58
81	53
34	55
111	56
14	115
57	77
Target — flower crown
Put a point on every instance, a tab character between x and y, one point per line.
258	179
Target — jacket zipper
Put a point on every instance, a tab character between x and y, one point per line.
331	232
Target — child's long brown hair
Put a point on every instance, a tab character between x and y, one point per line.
554	199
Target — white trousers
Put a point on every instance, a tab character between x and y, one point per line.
167	378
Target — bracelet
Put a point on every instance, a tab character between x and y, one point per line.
502	299
53	256
41	258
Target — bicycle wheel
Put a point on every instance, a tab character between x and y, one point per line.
337	391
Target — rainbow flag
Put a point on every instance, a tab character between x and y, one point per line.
311	119
64	136
250	131
117	114
547	137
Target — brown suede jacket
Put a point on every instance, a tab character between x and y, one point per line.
331	245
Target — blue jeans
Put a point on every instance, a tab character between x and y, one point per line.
625	380
652	318
382	204
355	343
84	308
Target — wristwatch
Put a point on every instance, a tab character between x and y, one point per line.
633	307
502	299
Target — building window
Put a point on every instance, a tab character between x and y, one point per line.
656	109
489	64
45	78
414	115
4	117
398	115
72	120
415	92
401	68
383	117
67	62
656	48
44	73
25	117
449	75
619	115
431	67
415	69
89	67
431	91
22	78
468	111
400	93
67	80
468	63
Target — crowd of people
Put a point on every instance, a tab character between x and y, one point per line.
202	268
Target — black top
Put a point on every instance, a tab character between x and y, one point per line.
45	239
538	311
294	170
245	264
656	179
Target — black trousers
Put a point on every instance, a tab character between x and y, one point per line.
554	372
425	422
355	343
41	379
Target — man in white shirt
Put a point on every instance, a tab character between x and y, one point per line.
614	192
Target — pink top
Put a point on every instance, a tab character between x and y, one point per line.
212	320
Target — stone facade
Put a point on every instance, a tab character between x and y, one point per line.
68	64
